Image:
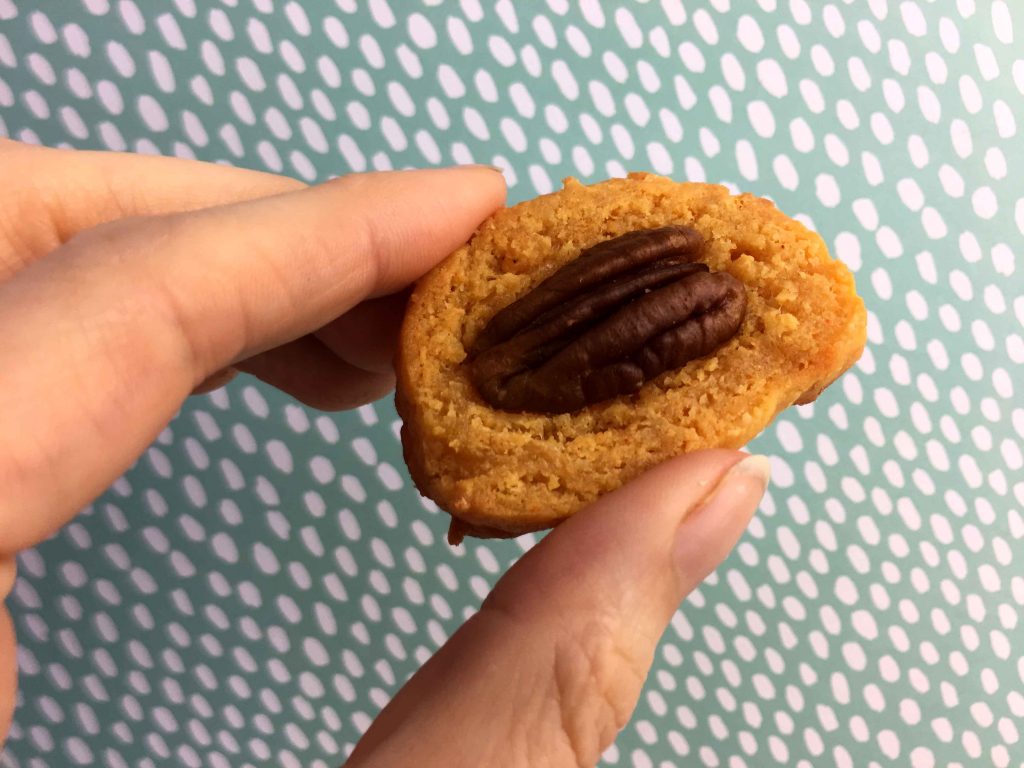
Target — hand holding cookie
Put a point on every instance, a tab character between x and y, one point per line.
128	282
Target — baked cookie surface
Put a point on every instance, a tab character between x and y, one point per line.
502	473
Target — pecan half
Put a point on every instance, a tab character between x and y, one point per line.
624	311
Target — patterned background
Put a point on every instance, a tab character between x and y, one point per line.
264	579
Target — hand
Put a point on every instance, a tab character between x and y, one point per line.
128	282
550	669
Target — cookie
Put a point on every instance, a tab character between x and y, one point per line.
582	337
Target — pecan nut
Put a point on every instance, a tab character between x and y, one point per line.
623	312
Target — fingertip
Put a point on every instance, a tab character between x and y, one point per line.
623	542
402	223
709	532
495	179
661	496
475	190
308	371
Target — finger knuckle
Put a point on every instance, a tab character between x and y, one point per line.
108	235
596	681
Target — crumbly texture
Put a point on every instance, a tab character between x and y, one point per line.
502	474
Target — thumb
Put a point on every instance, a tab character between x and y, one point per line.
551	667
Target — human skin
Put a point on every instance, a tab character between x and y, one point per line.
129	282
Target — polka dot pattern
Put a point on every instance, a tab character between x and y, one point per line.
265	578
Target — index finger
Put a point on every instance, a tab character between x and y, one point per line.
100	344
48	194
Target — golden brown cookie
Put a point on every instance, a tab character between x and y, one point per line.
504	472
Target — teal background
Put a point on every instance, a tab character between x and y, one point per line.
264	579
